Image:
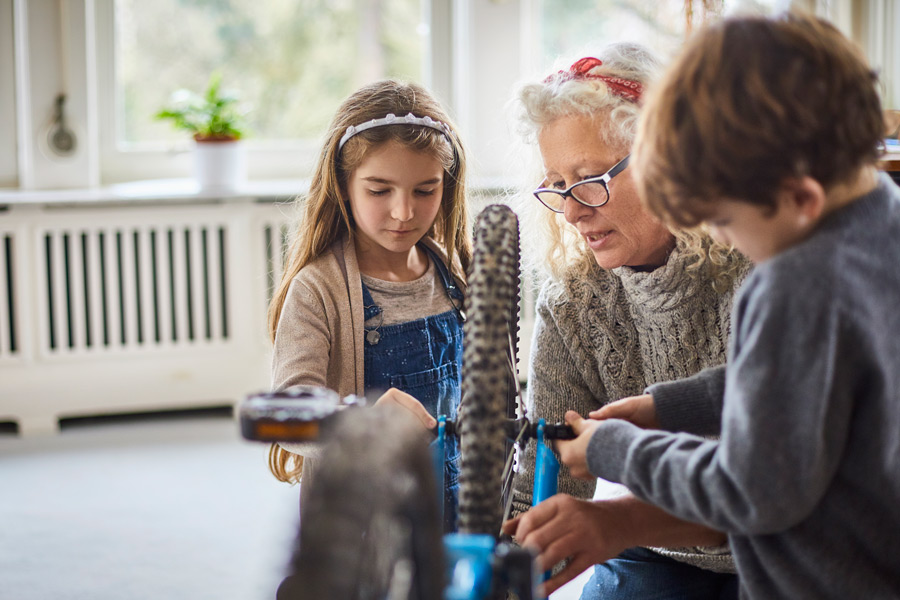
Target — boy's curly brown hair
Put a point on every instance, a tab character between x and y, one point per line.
749	103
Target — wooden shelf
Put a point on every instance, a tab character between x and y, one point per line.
890	161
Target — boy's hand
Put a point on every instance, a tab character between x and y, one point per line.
574	452
565	527
407	402
639	410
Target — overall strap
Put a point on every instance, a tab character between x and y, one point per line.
370	309
449	283
453	292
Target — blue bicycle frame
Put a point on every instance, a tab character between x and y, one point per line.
471	558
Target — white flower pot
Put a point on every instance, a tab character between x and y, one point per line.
220	165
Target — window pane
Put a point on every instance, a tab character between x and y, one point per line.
290	61
571	27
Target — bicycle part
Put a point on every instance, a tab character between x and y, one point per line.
546	469
438	456
552	431
517	573
470	573
299	414
521	430
302	413
489	385
369	526
546	474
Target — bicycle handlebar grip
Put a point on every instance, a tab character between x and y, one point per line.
559	431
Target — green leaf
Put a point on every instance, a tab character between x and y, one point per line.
215	114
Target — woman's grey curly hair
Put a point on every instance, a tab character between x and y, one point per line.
556	249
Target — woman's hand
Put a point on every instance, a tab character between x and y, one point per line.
638	410
574	452
398	398
565	527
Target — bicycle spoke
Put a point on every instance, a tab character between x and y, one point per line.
507	481
509	457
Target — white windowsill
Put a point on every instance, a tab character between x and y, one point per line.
179	190
154	190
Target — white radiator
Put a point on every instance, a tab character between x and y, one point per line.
133	308
10	330
119	289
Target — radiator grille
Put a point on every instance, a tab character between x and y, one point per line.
132	288
9	333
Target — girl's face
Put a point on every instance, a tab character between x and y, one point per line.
619	233
395	194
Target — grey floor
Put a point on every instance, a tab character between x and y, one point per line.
157	508
161	508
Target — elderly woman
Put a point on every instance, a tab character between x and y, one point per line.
626	303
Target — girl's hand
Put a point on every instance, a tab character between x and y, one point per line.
405	401
638	410
574	452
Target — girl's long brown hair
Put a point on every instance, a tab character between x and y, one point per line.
324	211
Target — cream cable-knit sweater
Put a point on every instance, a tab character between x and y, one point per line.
611	334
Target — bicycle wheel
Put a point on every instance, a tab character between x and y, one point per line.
489	386
370	527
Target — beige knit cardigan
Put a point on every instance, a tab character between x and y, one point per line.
319	339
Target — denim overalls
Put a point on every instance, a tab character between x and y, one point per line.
423	358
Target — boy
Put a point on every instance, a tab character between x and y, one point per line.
767	132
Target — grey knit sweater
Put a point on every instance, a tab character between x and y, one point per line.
610	335
805	477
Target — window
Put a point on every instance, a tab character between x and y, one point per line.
291	62
294	60
566	28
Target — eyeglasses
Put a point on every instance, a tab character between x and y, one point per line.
592	192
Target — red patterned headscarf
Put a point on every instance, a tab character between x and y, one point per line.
624	88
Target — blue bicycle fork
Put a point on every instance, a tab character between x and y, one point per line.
471	558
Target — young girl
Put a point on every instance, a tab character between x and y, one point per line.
372	295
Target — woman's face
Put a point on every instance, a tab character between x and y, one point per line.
619	233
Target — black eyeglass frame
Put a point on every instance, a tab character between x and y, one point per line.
602	179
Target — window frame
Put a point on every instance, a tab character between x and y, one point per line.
271	159
8	91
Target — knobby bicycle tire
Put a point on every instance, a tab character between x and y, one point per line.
489	390
370	527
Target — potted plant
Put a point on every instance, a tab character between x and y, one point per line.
216	124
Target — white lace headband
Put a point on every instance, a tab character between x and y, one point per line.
392	119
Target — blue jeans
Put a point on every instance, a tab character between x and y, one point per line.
641	574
